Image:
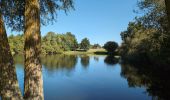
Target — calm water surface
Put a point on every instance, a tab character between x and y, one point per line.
85	77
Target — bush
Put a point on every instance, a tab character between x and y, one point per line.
111	46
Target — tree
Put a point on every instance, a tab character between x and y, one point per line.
8	78
34	12
57	43
147	38
27	14
71	41
167	3
16	44
110	46
85	44
96	46
33	68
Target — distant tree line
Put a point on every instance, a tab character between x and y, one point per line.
56	43
52	43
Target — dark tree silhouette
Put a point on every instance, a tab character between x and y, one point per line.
111	46
167	3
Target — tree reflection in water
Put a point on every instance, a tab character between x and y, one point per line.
111	60
59	62
55	62
155	79
96	58
85	60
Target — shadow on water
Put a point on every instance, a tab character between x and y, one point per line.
100	53
155	79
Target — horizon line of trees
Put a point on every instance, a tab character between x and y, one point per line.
52	43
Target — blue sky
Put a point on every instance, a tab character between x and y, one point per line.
98	20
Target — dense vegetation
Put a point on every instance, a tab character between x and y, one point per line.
110	46
147	38
56	43
52	43
85	44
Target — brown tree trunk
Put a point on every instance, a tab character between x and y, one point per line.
167	46
9	88
33	83
167	3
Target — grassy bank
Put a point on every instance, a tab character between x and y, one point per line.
90	51
77	52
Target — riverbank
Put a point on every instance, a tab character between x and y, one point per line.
90	51
100	51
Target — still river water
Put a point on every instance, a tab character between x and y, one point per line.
82	77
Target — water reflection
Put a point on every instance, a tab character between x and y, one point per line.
90	84
155	79
111	60
57	62
85	60
96	58
54	62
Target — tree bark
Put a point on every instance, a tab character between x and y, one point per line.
167	49
33	83
9	88
167	3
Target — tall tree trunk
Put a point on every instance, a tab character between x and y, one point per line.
9	88
167	3
33	83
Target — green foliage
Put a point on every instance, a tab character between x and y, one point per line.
13	11
96	46
85	44
56	43
16	44
110	46
147	37
51	43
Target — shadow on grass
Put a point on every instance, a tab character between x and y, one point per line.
100	53
81	50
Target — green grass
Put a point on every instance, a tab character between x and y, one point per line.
90	51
